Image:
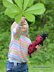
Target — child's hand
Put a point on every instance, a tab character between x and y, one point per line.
23	21
38	47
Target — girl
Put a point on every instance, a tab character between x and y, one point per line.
18	48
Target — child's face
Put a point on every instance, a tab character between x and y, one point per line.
24	28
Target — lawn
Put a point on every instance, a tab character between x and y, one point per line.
49	67
41	68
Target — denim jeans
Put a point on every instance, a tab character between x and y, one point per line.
19	67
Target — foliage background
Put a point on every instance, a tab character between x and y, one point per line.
43	23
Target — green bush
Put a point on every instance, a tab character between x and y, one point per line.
43	23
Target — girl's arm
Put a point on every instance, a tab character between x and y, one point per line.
16	29
13	25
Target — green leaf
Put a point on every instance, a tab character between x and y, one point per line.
30	3
36	9
19	3
12	10
18	18
7	3
10	14
26	3
30	17
10	1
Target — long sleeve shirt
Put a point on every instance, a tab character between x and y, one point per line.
18	48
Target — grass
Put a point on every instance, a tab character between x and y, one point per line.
41	68
2	66
49	67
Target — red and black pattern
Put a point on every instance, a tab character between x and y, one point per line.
39	40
